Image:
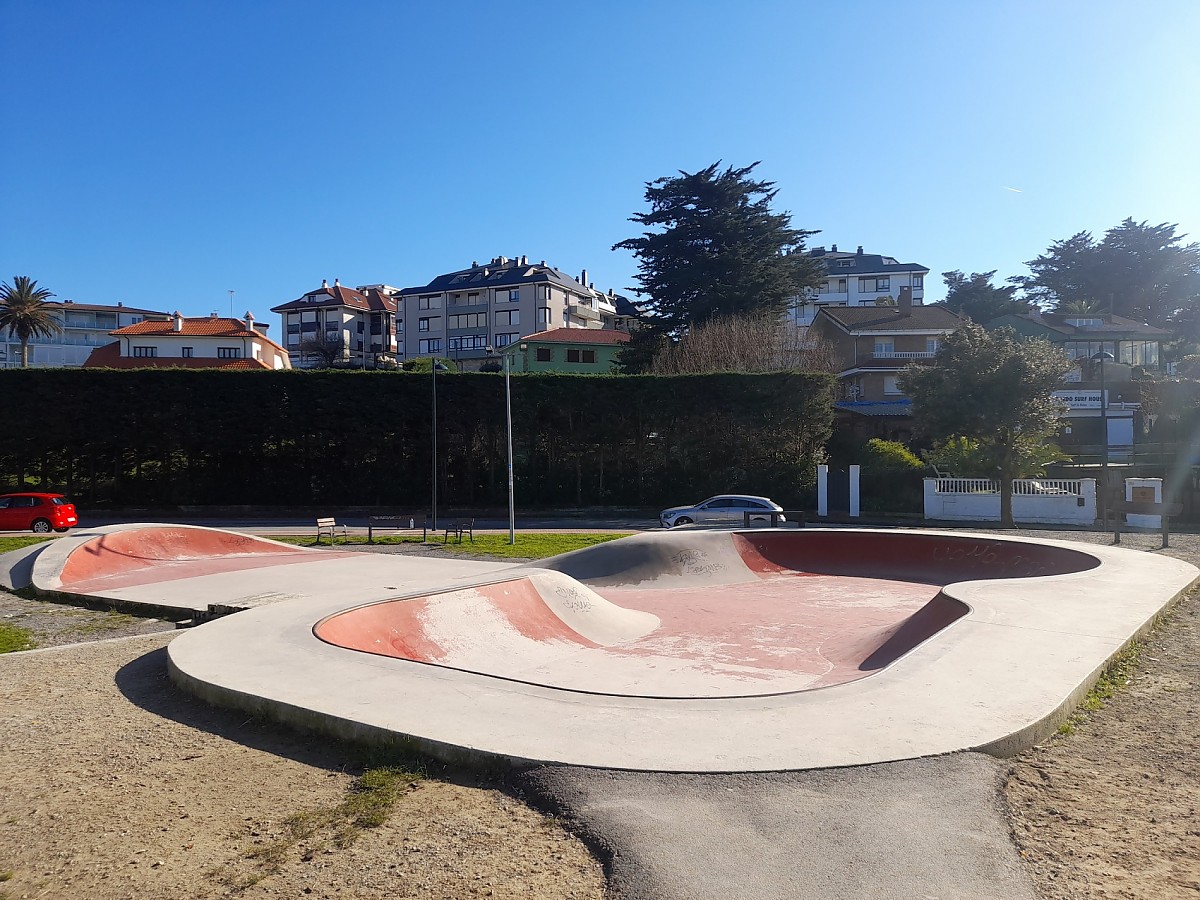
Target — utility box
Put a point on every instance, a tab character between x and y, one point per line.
1143	490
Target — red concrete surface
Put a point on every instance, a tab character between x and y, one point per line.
151	555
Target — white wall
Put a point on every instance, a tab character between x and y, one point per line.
1045	509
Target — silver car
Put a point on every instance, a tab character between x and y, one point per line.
724	509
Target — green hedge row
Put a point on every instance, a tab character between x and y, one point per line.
195	437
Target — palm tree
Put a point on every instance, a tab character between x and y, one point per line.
23	312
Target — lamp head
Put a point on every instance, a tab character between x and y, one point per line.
1102	356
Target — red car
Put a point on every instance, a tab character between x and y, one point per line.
36	512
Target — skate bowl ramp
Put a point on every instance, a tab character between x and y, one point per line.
690	650
709	615
154	554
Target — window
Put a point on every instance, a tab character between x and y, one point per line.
399	326
145	351
874	285
543	354
891	384
932	344
467	320
918	282
430	345
473	297
843	286
1085	323
509	317
293	340
844	263
432	323
469	342
186	352
503	340
1139	353
884	347
229	353
509	295
573	354
543	315
543	292
1087	349
429	303
293	327
589	356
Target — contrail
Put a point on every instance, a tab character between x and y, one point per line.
1015	190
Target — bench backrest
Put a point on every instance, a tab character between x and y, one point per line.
326	523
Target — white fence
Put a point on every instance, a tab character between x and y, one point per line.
1047	501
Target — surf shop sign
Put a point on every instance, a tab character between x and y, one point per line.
1078	399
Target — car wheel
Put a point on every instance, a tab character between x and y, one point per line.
682	520
62	530
40	526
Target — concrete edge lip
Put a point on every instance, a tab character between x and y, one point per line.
999	680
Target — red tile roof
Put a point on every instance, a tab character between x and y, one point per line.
205	326
109	357
340	295
580	336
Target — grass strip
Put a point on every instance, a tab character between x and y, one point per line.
13	638
530	545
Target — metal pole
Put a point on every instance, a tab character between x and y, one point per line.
512	516
1104	434
433	370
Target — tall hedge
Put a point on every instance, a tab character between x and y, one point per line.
178	437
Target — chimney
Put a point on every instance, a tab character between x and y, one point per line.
324	283
858	252
905	304
178	322
834	250
337	283
543	264
818	251
249	320
583	277
524	260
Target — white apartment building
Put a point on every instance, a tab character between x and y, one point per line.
858	279
85	326
176	342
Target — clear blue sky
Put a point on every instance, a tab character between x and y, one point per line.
163	153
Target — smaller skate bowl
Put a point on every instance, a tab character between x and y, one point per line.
704	651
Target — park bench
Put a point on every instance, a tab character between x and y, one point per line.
329	524
459	527
1121	508
410	522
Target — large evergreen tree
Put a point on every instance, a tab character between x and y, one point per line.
1140	271
975	297
994	388
714	248
23	312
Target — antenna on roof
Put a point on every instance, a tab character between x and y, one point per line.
231	293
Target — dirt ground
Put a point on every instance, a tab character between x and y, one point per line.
1112	810
123	787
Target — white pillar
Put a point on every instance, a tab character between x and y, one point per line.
854	499
822	490
1147	490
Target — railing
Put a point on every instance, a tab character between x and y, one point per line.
967	486
1025	487
903	354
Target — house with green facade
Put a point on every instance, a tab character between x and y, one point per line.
579	351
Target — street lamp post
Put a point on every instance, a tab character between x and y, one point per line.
512	515
1102	357
434	367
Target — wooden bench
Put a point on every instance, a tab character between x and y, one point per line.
399	523
460	527
1120	508
330	525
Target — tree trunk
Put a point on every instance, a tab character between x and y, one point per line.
25	353
1006	486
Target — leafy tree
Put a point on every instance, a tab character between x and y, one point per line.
1137	270
970	458
24	312
715	248
975	297
993	388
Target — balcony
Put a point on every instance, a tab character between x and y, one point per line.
904	354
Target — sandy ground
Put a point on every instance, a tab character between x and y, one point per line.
123	787
113	784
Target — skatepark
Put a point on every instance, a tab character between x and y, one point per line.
684	651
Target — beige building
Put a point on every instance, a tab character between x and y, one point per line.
460	314
354	327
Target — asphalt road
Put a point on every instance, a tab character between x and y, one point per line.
922	828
